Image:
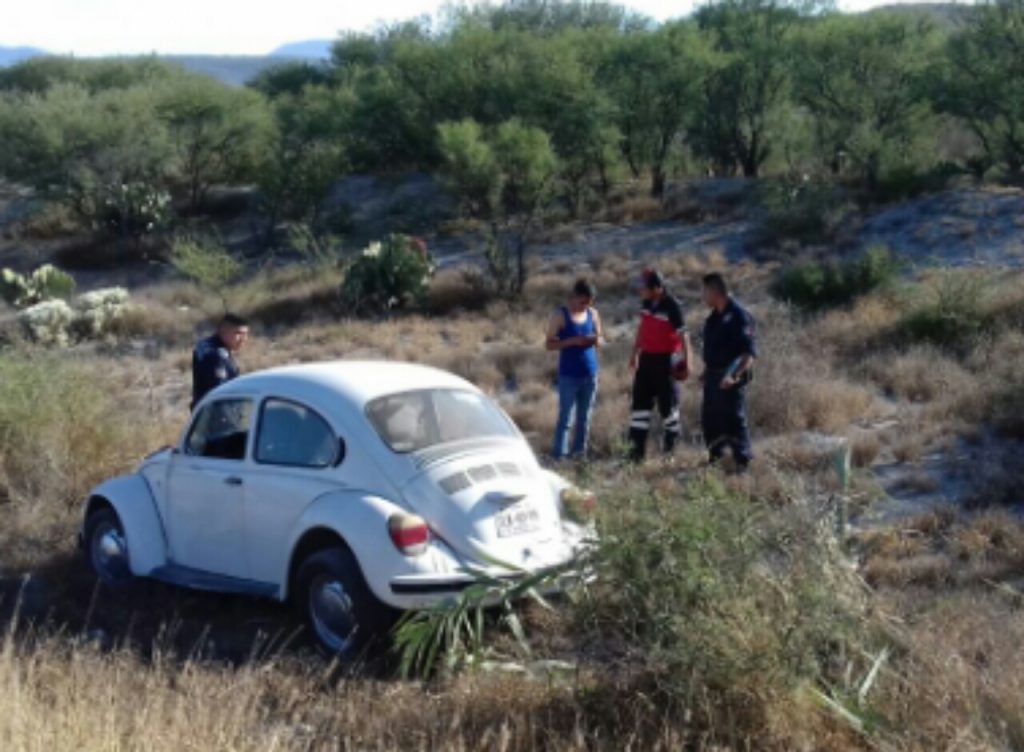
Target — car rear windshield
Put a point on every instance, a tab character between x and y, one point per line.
411	421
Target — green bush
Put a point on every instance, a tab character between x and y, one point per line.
390	274
949	312
712	594
703	602
131	210
817	285
207	263
45	283
801	210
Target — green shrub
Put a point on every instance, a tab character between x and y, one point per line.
387	275
711	593
131	210
817	285
801	210
45	283
950	311
703	602
207	263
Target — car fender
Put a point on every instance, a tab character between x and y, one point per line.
133	501
360	519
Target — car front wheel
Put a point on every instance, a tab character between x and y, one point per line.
337	605
107	548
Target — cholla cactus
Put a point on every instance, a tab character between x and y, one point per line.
99	311
45	283
13	287
49	322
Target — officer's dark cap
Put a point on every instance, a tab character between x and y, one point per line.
652	279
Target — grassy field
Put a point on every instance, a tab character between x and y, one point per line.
729	615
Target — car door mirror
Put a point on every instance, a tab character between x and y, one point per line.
342	451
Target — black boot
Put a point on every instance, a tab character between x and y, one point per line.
637	444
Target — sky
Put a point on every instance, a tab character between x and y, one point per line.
225	27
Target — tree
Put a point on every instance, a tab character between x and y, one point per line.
103	155
37	75
654	80
862	80
748	85
305	156
289	78
218	133
507	175
981	82
471	166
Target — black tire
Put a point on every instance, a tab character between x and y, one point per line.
334	575
103	531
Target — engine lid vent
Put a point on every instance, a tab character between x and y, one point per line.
454	484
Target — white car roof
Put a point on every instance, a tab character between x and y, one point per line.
360	381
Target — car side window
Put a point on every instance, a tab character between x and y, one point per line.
294	435
221	430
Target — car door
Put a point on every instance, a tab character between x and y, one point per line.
206	490
296	457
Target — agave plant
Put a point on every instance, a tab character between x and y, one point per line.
451	635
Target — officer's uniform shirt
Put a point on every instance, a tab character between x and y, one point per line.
661	326
727	336
212	365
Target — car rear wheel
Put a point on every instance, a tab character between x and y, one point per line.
107	548
337	605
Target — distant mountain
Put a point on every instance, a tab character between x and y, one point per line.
234	70
311	48
14	55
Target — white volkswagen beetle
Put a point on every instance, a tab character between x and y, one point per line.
354	489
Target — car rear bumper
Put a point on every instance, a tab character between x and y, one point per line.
434	585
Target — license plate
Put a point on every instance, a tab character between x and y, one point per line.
519	520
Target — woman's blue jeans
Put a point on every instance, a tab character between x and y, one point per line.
576	397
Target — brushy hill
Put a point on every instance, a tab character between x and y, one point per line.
233	70
318	49
15	55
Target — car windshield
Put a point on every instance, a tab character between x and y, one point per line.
411	421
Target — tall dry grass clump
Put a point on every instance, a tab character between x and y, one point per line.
65	426
711	607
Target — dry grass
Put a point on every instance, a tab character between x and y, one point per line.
960	686
953	682
60	696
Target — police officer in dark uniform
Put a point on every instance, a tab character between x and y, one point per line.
213	361
660	359
729	353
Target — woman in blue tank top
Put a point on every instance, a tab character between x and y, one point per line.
575	333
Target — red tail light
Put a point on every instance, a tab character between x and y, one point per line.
409	533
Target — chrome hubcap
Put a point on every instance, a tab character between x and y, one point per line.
332	613
110	553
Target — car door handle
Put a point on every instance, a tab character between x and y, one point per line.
233	480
